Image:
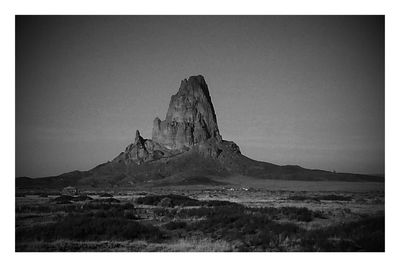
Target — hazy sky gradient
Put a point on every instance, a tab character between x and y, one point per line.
304	90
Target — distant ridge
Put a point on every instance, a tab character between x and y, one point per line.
186	148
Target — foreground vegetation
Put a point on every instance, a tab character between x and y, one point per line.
179	223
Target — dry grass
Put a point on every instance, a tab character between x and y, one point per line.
187	229
198	245
181	245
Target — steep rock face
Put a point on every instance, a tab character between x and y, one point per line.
190	119
190	124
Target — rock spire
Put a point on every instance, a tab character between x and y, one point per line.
190	119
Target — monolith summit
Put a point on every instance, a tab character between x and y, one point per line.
190	123
190	119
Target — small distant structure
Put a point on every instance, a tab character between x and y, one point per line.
70	191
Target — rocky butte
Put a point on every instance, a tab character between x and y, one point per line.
190	124
186	148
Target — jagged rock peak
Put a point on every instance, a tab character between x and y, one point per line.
143	150
190	118
138	138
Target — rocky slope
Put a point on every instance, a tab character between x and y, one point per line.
186	145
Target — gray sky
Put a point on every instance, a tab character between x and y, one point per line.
304	90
